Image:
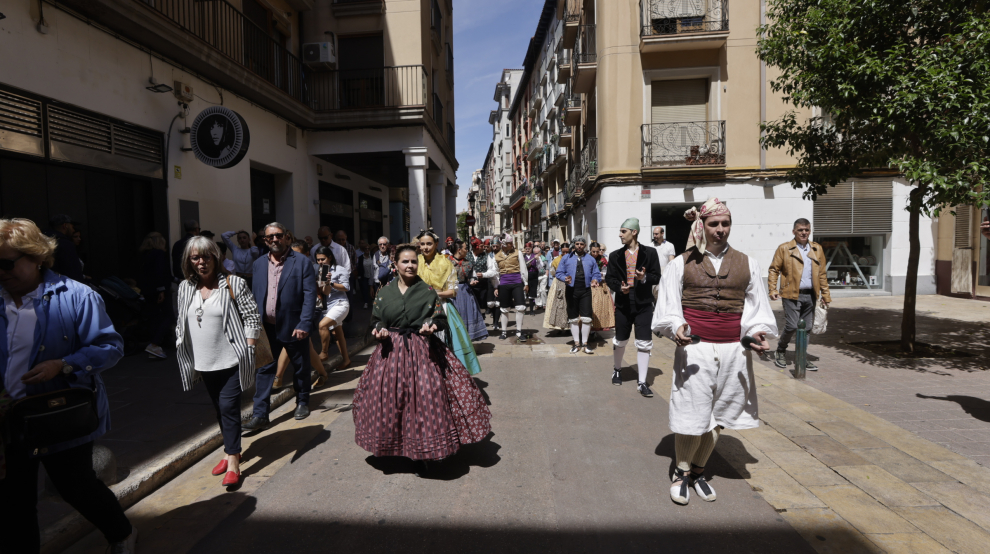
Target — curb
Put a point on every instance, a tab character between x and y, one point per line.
73	527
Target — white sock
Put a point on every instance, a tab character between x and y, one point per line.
576	333
519	321
585	332
643	360
504	320
617	353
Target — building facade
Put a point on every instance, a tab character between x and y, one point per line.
645	108
346	112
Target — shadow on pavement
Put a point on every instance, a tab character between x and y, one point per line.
280	443
717	466
976	407
481	386
483	454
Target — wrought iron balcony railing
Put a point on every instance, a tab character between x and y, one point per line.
519	193
674	17
573	186
589	160
585	51
386	87
684	144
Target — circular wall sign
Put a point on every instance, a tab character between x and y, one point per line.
219	137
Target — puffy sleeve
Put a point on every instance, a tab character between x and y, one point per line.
757	315
668	316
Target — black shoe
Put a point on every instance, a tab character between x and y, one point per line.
302	411
616	378
779	359
810	366
503	336
520	337
644	389
256	424
575	349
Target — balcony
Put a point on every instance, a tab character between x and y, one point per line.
585	59
683	145
534	148
572	107
387	87
516	200
564	62
569	11
589	161
669	26
572	188
564	131
349	8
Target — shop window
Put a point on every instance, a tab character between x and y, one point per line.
854	262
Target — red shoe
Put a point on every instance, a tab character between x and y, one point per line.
231	479
222	466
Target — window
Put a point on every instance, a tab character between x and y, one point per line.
679	101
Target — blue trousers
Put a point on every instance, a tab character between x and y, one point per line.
298	352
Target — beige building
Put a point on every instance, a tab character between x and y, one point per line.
348	108
644	108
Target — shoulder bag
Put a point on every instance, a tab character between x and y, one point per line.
52	418
821	318
262	348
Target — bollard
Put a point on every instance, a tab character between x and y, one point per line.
800	350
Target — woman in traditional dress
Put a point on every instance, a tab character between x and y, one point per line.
534	267
438	272
602	307
415	399
555	316
464	301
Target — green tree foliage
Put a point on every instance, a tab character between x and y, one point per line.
462	228
902	84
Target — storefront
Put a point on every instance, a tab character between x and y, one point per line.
853	223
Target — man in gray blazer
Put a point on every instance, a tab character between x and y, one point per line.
284	287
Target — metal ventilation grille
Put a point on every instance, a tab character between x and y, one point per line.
20	114
78	129
855	208
964	227
137	143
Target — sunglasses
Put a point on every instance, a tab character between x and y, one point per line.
274	236
8	265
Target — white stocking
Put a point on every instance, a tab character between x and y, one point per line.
504	320
643	360
617	353
576	333
519	320
585	332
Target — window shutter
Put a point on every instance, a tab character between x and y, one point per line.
679	101
855	208
964	229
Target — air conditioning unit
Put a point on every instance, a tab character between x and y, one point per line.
320	54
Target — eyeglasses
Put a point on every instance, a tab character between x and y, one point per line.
324	237
274	236
8	265
382	244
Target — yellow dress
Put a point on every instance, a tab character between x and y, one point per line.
440	275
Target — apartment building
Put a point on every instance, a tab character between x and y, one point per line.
498	169
337	112
644	108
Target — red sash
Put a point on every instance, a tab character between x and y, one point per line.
712	327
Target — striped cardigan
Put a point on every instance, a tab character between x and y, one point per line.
232	329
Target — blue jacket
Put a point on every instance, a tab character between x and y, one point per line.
72	325
568	268
296	294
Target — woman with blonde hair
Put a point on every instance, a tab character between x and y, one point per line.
57	339
154	278
216	333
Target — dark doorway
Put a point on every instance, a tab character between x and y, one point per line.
672	217
370	210
361	71
262	199
337	209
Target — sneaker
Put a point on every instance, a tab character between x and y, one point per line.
155	351
701	486
680	491
575	349
616	377
503	336
644	389
588	350
810	366
779	359
126	546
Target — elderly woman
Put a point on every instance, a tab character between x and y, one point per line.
215	336
57	337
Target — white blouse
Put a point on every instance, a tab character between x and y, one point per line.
669	314
211	351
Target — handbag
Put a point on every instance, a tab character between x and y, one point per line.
262	348
821	318
52	418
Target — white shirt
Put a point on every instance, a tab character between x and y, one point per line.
210	348
243	257
343	260
669	313
806	273
21	323
665	249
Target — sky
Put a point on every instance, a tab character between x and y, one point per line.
489	36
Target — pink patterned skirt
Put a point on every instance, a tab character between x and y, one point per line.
415	399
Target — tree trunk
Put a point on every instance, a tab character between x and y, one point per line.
911	282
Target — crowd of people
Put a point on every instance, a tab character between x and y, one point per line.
250	307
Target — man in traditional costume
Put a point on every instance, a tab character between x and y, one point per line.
512	286
579	271
710	298
493	246
634	270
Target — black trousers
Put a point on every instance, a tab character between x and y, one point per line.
578	302
794	311
640	316
534	285
510	296
302	381
72	473
480	292
224	388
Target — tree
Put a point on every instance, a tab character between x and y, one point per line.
902	84
462	228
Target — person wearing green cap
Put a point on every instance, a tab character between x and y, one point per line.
633	271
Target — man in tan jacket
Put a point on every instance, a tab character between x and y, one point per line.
800	267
